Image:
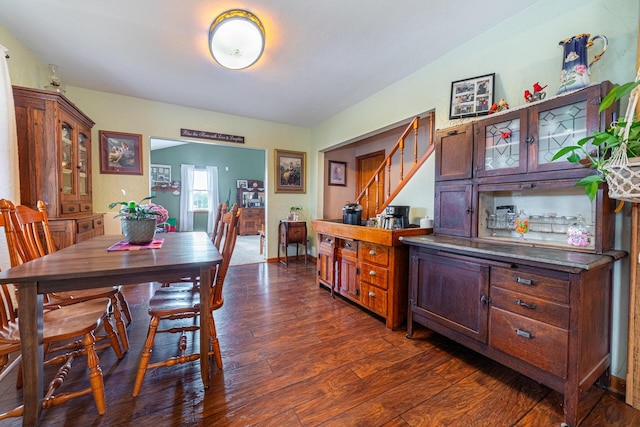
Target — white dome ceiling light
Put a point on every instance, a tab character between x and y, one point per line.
236	39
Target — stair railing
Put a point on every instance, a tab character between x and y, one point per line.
370	195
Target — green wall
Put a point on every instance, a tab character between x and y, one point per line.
232	163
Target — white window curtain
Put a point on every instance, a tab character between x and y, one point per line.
186	198
214	199
9	178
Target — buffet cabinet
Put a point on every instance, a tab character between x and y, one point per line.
502	164
367	266
542	312
54	158
250	221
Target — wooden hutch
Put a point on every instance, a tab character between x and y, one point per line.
536	303
54	150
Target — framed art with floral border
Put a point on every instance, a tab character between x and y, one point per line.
472	97
120	153
337	173
290	169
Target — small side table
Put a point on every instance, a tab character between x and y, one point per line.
289	233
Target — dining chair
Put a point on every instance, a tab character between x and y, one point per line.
61	324
174	304
29	238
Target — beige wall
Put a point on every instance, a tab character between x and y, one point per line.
521	51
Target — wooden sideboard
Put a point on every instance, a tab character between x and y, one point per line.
250	222
367	266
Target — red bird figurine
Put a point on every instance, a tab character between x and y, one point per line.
527	96
537	88
505	135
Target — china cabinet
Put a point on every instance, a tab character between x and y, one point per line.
510	169
54	151
520	264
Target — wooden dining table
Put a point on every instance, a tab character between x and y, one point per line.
89	265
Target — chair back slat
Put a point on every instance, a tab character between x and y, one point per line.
229	234
34	227
218	229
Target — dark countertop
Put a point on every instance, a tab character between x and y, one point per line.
515	253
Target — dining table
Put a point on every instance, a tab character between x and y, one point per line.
88	265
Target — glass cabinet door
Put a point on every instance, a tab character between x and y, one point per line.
83	158
68	159
501	146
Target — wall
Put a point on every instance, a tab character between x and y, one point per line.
521	51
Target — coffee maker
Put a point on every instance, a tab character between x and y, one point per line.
396	217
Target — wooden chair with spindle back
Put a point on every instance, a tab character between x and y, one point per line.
173	304
60	324
32	239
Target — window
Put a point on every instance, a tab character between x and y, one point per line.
200	190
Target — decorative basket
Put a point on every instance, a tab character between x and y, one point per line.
623	174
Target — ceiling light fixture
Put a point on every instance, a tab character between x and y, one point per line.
236	39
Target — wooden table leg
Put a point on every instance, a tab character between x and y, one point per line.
30	315
205	312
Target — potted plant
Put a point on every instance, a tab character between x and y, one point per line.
139	220
614	146
294	213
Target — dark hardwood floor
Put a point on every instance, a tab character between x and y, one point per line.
293	356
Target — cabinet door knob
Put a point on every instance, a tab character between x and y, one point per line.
372	273
529	140
372	294
372	252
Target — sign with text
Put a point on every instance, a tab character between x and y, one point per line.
212	135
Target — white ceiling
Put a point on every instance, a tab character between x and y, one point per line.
320	58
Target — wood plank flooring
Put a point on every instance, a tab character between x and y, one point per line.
293	356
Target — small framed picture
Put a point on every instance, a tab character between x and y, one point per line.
472	97
290	171
120	153
241	183
337	173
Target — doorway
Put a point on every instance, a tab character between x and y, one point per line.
366	166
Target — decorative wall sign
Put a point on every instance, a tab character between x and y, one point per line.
215	136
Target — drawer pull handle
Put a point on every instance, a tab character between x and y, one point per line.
372	273
524	334
71	209
348	245
525	305
328	240
524	281
86	208
85	226
372	252
372	294
99	222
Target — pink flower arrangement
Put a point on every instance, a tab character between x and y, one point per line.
161	213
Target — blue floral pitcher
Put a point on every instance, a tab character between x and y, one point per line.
575	65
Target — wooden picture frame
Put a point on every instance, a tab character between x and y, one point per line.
337	173
290	169
120	153
472	97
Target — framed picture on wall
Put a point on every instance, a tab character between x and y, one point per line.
120	153
471	97
290	169
337	173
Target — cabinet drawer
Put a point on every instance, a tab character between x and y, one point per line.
84	225
86	207
521	280
326	240
375	299
532	307
534	342
374	274
98	223
348	248
70	208
377	254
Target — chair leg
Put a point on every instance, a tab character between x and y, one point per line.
215	344
112	336
95	373
124	306
146	354
120	326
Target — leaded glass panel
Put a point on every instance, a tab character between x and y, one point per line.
560	127
502	145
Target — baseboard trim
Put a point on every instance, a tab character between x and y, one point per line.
617	385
